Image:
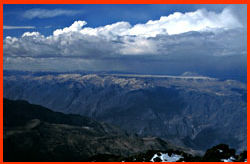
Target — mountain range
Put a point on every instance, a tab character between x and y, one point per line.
192	111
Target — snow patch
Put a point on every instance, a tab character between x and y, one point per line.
220	150
167	158
231	159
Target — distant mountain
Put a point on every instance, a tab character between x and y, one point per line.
35	133
190	74
197	112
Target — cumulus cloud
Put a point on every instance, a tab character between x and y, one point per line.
76	26
173	37
45	13
176	23
18	27
31	34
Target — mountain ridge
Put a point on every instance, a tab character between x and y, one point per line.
185	109
32	132
27	137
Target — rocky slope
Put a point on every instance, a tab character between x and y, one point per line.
192	111
35	133
219	153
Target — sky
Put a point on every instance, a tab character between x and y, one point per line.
152	39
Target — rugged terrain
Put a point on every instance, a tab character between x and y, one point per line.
190	110
35	133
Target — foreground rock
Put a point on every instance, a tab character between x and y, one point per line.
219	153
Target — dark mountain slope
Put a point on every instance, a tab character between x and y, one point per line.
35	133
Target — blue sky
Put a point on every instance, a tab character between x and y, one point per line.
152	39
95	15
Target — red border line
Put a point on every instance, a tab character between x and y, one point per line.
125	2
248	94
109	2
1	83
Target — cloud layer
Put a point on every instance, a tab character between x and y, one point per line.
18	27
45	13
171	38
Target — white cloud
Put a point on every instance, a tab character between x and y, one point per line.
204	32
76	26
45	13
138	46
176	23
31	34
18	27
